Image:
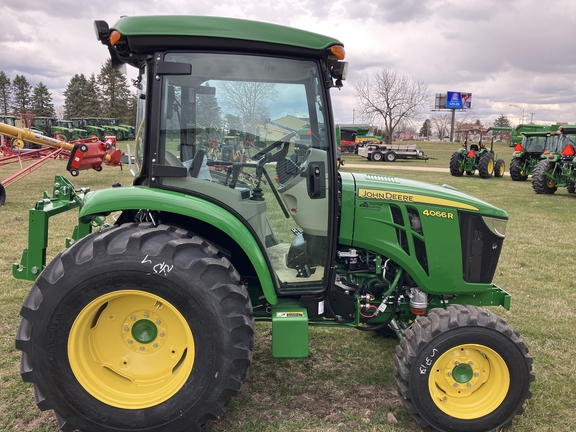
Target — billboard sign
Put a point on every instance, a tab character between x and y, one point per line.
458	100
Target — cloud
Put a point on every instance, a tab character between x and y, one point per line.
504	52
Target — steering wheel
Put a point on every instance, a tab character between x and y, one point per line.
276	156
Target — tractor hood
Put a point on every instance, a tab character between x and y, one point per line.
378	187
442	235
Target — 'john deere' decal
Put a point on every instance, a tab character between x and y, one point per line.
378	194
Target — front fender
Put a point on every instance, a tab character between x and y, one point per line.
137	197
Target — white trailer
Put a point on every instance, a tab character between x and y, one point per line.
379	152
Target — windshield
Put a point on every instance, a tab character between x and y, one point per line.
251	133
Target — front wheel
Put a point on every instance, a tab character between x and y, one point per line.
134	328
499	168
377	156
456	168
463	368
517	172
486	165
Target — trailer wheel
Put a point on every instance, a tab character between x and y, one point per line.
486	165
541	182
463	368
517	173
390	156
456	168
499	168
377	156
2	194
135	328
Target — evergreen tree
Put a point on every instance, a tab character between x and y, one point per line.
208	112
502	121
426	129
42	105
115	94
22	95
5	94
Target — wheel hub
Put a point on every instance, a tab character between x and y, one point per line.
144	331
469	381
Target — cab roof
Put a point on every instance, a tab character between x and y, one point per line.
205	28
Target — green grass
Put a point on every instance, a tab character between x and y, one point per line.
346	382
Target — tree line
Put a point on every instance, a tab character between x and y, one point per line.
104	95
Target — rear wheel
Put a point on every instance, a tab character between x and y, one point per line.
486	165
456	168
542	183
499	168
463	368
390	156
517	172
136	328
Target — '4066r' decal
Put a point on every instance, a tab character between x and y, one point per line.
438	214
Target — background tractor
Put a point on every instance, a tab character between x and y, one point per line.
50	127
468	159
528	153
148	323
557	167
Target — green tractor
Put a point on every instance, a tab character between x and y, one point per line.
516	133
148	324
77	132
49	126
122	132
528	153
90	131
557	168
477	157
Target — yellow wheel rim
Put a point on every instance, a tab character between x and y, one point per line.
491	166
501	170
18	143
469	381
131	349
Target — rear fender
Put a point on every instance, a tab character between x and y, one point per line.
135	198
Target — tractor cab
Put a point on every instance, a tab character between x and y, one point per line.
226	128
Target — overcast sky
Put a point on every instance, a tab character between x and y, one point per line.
505	52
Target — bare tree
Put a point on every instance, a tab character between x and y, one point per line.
392	97
441	125
250	99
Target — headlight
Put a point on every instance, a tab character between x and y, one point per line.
497	226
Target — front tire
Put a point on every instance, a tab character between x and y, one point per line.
136	327
456	168
463	368
499	168
486	165
377	156
517	173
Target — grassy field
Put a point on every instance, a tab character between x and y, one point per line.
346	383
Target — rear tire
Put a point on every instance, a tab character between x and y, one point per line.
455	167
541	183
134	328
516	171
390	156
463	368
